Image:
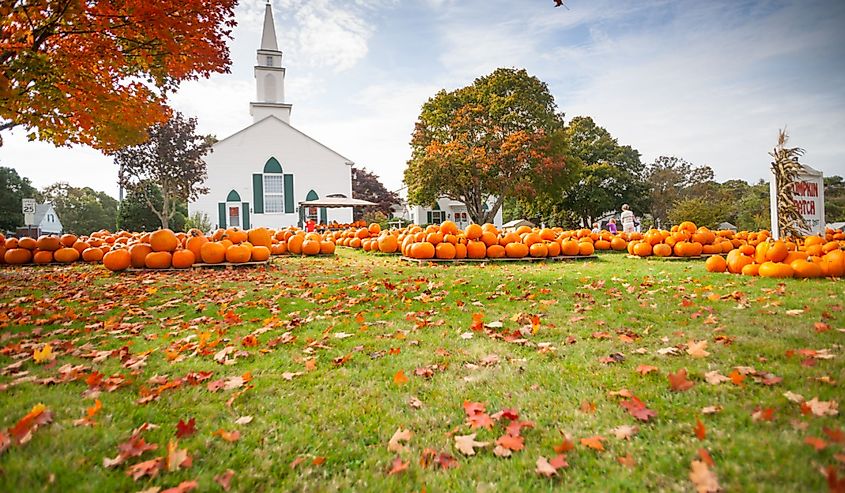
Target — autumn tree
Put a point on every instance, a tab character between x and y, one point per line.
367	186
671	179
834	198
82	210
13	188
172	159
99	72
499	137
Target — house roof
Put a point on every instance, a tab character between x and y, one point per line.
517	223
268	117
41	210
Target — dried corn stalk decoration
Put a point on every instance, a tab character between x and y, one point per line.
785	168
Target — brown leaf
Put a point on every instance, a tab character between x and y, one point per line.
149	468
625	432
703	478
646	369
176	458
229	436
696	349
736	377
466	444
715	378
545	468
395	445
225	479
678	381
627	461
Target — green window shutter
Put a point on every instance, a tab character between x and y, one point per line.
258	193
221	212
428	216
289	206
323	215
245	215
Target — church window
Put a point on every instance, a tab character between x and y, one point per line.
274	193
269	61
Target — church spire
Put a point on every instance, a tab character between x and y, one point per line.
268	36
269	76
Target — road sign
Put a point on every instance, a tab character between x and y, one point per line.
28	208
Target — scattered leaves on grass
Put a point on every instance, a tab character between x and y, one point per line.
678	381
704	480
466	443
594	442
395	442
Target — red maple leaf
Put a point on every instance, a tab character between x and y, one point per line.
638	409
184	429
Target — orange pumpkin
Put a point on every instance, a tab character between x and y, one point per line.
327	248
538	250
236	235
213	252
776	269
260	237
585	248
642	249
68	240
18	256
158	260
183	259
238	254
516	250
751	270
445	251
42	257
66	255
194	243
662	250
473	232
138	253
92	254
777	252
716	263
422	250
164	240
49	243
476	249
387	243
311	247
804	269
117	260
295	244
496	251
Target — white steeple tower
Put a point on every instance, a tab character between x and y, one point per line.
269	76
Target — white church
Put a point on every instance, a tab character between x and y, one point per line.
259	175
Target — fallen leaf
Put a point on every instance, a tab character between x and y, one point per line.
225	479
700	431
678	381
646	369
715	378
183	487
290	375
44	354
593	442
549	468
176	458
816	442
466	444
184	429
736	377
625	432
696	349
395	445
399	378
397	466
243	420
703	478
229	436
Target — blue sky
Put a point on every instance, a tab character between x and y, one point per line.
709	81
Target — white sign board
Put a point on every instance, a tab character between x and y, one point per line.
28	208
808	193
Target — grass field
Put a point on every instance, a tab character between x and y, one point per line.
329	357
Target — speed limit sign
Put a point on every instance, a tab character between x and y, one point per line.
28	207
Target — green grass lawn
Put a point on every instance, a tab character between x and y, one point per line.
324	338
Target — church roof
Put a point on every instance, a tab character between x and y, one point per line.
273	117
268	36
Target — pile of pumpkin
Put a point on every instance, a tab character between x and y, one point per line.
683	240
813	257
50	249
446	241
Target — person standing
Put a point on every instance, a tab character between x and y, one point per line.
627	218
310	225
611	226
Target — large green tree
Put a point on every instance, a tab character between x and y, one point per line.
671	179
82	210
135	213
609	175
13	188
172	159
497	138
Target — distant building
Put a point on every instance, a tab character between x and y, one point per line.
446	209
45	222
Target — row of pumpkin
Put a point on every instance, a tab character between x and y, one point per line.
164	248
812	257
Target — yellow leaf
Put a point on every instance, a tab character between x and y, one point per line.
43	354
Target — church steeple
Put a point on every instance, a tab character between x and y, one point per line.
269	76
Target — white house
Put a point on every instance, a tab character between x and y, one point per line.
45	222
445	208
259	175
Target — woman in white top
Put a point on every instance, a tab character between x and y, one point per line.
627	218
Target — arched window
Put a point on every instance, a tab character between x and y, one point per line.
274	187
